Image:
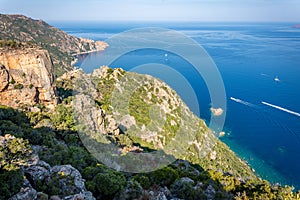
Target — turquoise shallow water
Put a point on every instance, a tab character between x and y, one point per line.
249	57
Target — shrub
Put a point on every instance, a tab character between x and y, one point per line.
10	182
165	176
12	81
63	118
184	190
18	86
143	181
90	172
109	183
14	152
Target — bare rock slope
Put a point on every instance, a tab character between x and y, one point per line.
26	76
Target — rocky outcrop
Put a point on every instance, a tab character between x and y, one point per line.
26	76
65	179
66	173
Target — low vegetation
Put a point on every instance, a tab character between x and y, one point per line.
56	132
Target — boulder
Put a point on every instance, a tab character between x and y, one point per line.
66	173
42	196
186	180
65	179
160	193
81	196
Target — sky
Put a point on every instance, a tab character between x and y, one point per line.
156	10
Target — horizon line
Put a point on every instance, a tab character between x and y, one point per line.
296	22
164	21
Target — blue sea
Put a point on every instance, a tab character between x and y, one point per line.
260	67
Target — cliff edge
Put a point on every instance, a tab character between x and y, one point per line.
26	77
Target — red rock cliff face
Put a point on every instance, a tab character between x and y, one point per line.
26	78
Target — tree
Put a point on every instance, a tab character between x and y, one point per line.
14	152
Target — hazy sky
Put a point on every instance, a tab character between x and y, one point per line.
186	10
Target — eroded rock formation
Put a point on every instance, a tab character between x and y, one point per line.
26	77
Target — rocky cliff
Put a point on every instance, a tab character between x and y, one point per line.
60	45
26	77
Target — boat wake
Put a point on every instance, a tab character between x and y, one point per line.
282	109
268	117
242	102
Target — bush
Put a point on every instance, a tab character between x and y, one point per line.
10	183
165	176
102	181
133	190
109	183
14	152
143	181
18	86
63	118
185	190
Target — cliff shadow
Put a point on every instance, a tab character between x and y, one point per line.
60	147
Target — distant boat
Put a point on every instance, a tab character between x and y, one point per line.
166	57
276	79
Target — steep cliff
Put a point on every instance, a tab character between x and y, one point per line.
60	45
26	75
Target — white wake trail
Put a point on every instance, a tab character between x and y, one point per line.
242	102
282	109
